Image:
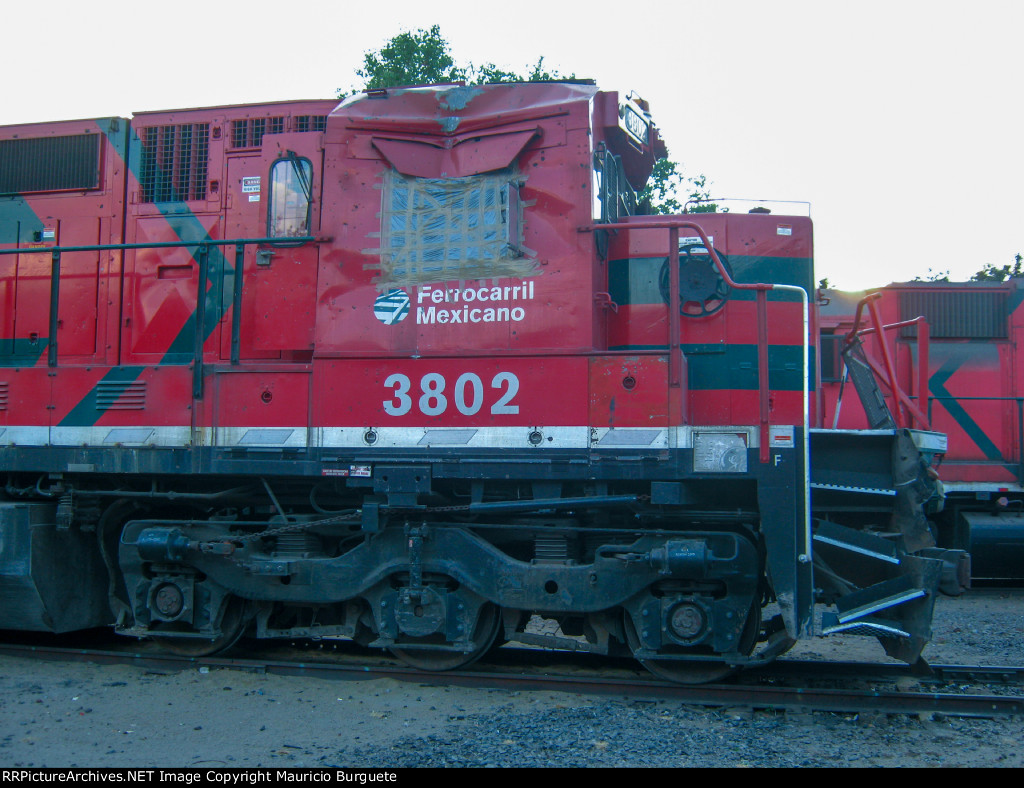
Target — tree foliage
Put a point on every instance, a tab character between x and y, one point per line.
418	58
992	273
667	183
424	57
489	74
932	276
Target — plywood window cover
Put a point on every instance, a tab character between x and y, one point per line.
437	230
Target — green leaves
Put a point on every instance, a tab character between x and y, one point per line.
424	57
416	58
991	273
662	193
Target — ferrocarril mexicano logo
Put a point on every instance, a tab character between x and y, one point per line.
391	307
439	304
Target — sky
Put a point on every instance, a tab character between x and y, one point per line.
898	123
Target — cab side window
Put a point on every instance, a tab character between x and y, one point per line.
291	192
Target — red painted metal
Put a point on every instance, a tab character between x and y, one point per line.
468	157
675	350
298	322
906	412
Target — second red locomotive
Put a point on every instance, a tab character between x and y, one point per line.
954	352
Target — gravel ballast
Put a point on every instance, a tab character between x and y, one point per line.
71	714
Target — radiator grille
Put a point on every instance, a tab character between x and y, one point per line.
119	395
174	162
310	122
249	133
3	395
958	314
47	164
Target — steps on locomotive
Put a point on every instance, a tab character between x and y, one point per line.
877	588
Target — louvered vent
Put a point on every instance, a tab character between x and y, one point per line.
50	164
3	395
175	160
117	395
249	133
957	314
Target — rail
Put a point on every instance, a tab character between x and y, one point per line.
791	684
202	257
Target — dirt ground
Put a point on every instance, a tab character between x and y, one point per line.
71	714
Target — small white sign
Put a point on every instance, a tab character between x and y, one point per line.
783	229
254	198
781	437
690	240
251	184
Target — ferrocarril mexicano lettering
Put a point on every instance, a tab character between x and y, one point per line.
495	304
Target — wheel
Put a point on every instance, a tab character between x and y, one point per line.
488	624
695	671
232	626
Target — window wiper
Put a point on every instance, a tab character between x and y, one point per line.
300	174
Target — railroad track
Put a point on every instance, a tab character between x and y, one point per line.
952	690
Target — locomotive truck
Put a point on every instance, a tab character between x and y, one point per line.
415	368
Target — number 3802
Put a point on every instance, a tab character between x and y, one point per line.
467	393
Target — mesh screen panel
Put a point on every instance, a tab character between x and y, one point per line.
174	162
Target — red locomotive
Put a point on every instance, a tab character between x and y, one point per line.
953	349
413	368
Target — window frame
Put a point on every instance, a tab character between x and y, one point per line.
289	161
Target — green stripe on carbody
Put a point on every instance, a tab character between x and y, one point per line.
17	221
88	411
637	280
937	386
25	353
716	367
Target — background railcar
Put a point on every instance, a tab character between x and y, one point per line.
971	391
413	368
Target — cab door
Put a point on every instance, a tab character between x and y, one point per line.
276	194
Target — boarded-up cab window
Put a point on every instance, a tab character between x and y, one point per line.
443	229
291	192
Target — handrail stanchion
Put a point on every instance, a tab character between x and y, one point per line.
236	305
675	347
51	351
923	340
1020	441
763	387
200	338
